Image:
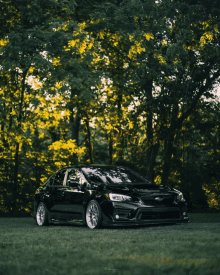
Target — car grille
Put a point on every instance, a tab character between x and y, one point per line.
159	215
165	201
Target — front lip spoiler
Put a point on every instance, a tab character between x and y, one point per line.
145	222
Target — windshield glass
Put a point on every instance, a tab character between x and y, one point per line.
112	175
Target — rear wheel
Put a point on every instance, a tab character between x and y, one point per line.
42	214
93	215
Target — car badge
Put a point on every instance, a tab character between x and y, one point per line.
158	199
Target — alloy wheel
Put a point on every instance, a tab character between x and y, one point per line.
41	214
93	215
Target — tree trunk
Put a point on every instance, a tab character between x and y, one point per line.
74	125
120	134
15	188
151	162
75	119
152	149
110	149
75	122
88	140
168	148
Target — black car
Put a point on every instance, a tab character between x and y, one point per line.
106	195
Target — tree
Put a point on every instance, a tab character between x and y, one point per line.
172	56
107	81
25	32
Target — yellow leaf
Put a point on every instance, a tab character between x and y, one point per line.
72	43
131	125
100	35
31	69
149	36
207	36
58	85
56	61
160	58
3	42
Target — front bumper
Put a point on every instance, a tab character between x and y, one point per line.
128	215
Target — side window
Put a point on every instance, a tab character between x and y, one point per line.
74	177
59	177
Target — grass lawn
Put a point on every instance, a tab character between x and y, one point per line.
192	248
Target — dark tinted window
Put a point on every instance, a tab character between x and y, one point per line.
73	175
112	175
76	176
59	177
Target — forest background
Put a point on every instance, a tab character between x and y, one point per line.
122	81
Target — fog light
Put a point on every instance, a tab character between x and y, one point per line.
117	217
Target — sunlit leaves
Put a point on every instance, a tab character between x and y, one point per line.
26	31
213	194
148	36
62	152
3	42
119	80
135	49
206	37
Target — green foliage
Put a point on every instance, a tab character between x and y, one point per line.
106	81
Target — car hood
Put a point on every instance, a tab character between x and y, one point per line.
149	194
139	190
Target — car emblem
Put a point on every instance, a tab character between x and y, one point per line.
158	199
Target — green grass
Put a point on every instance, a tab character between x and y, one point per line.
192	248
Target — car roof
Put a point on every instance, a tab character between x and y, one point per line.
93	166
99	165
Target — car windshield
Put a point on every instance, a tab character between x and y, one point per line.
112	175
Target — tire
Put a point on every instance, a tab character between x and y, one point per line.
93	215
42	215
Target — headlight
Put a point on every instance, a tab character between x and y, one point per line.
179	196
118	197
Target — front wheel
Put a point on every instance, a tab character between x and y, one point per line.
93	215
42	215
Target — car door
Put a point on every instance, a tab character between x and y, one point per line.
74	194
56	196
